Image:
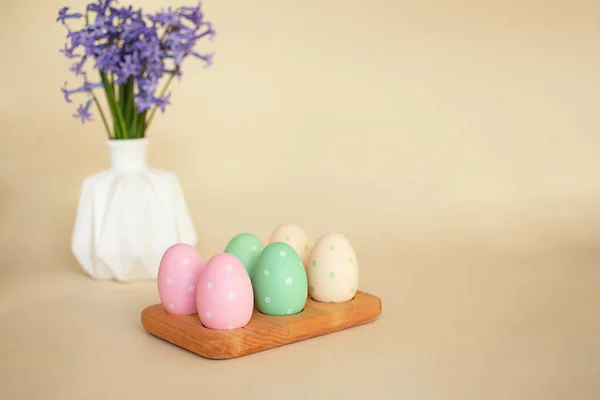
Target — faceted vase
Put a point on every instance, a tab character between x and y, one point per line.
128	216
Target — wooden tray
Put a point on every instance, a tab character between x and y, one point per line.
263	332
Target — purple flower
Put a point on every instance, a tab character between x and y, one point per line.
208	58
77	68
83	112
100	6
165	18
145	95
77	38
131	67
98	24
163	102
210	32
133	30
86	87
144	101
123	13
176	47
192	14
178	55
155	67
63	15
68	52
108	59
148	48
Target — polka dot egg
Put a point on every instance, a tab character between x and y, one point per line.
280	283
224	293
332	269
247	247
295	237
178	274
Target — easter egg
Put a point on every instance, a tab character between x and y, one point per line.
332	269
178	274
224	293
247	247
295	237
280	282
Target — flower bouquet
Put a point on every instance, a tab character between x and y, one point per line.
131	53
129	215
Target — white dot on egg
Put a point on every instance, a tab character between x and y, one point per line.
267	300
208	314
229	267
289	311
288	281
185	261
172	306
266	272
253	248
231	296
209	285
230	327
282	253
170	280
191	288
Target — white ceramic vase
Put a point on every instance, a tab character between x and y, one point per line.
128	216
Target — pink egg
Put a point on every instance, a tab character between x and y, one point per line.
178	275
224	295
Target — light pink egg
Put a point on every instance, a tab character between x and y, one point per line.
224	295
178	275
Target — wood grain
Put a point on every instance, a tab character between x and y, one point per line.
263	332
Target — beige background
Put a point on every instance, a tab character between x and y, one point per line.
455	143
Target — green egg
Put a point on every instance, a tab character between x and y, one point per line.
247	248
280	283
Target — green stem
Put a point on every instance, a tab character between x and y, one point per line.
162	93
111	104
116	110
135	132
121	104
101	113
123	99
142	124
130	107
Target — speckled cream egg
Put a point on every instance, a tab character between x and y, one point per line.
247	247
332	269
280	283
225	298
178	274
294	236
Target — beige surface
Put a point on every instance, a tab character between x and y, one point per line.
454	142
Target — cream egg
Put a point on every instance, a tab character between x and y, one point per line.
294	236
332	269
